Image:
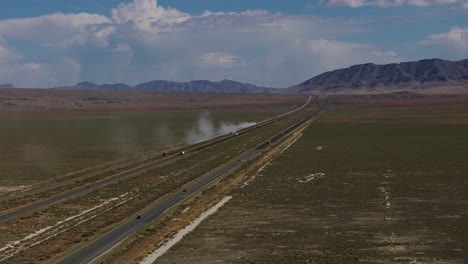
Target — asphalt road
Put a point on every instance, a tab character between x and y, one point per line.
33	207
104	244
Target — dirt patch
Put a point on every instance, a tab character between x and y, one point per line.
9	189
168	245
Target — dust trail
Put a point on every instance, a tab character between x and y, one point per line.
205	128
160	251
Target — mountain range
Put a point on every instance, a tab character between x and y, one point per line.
421	74
224	86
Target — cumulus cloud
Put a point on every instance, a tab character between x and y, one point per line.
392	3
147	15
455	40
142	41
58	30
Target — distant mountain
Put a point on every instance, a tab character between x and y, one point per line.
420	74
423	74
94	86
6	86
225	86
115	86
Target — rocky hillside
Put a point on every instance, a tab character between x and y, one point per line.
420	74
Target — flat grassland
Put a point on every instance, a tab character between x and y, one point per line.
52	232
375	179
50	133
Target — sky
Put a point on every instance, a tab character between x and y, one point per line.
272	43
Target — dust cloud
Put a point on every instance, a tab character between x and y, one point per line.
206	128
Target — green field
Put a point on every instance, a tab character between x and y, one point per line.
40	147
364	184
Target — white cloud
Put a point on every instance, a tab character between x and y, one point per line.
455	40
387	53
147	15
143	41
218	59
392	3
58	30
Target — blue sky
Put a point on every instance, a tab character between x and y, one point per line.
276	43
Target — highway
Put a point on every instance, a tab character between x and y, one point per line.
81	190
75	192
104	244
